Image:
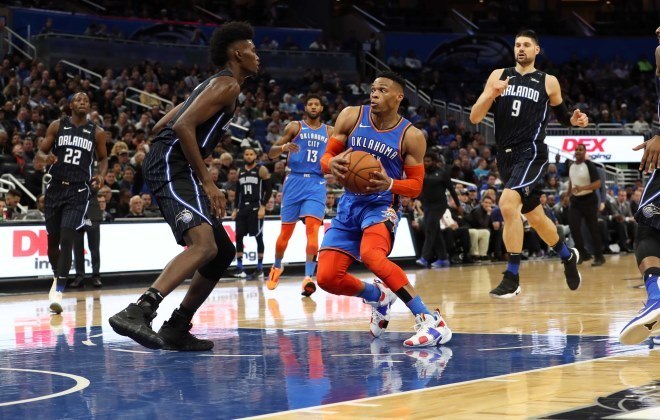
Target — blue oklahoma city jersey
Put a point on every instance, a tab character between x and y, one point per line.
385	145
356	212
312	143
303	194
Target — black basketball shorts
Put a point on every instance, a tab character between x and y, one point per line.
248	222
66	205
647	242
522	170
181	198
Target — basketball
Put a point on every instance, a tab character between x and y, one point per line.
360	166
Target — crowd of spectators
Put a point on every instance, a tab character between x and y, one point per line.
33	95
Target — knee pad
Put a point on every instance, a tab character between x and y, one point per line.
214	269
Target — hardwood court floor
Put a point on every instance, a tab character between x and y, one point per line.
548	353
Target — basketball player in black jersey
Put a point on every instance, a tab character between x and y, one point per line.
189	200
521	98
647	247
74	141
254	190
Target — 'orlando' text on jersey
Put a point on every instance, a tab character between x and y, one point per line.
75	148
522	111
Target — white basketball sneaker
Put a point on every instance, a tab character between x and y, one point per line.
380	312
55	298
431	330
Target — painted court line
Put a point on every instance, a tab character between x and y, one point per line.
132	351
507	348
230	355
364	354
645	413
356	404
435	388
81	383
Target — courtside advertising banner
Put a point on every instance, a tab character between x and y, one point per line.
149	246
603	149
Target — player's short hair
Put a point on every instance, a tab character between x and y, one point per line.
224	36
251	148
393	76
311	96
528	33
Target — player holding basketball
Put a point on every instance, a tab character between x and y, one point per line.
303	195
365	224
647	250
75	141
520	98
174	169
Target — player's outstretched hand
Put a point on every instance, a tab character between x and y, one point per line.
97	182
579	118
216	197
651	159
339	164
379	180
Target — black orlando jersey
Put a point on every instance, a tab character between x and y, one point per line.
521	112
75	147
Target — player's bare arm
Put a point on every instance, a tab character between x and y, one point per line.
576	119
494	88
47	143
264	174
284	143
166	118
220	93
413	149
334	160
101	157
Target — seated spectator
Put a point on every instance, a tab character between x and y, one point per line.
18	159
330	205
136	207
123	203
640	125
456	234
271	208
150	208
445	137
279	173
232	180
105	215
481	225
128	179
231	196
12	199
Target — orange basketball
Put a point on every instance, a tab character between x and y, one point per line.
360	166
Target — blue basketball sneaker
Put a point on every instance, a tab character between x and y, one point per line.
643	325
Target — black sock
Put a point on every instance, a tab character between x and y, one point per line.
150	299
184	312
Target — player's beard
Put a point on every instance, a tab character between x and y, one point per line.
524	61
